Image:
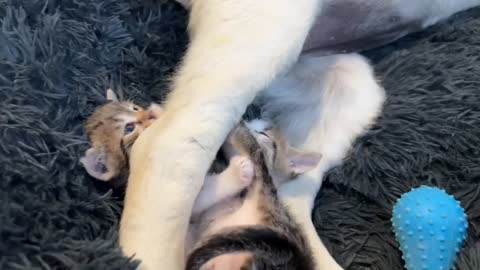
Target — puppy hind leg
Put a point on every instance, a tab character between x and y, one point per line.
350	103
323	104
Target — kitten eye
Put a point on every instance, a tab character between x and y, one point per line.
129	128
264	134
264	138
136	108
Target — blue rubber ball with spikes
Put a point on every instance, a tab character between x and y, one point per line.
430	226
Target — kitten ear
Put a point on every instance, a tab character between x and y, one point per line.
95	163
111	96
300	162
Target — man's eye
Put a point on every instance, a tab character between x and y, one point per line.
129	128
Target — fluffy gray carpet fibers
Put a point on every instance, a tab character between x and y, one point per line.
58	57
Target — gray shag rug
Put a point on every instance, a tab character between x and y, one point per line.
58	57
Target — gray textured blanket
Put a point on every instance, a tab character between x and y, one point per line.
58	57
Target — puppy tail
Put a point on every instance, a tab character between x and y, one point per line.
271	249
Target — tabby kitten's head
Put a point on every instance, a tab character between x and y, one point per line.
284	162
112	129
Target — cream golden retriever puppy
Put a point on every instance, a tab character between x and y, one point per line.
239	48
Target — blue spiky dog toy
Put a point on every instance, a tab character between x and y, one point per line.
430	226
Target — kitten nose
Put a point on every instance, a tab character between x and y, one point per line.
145	118
142	116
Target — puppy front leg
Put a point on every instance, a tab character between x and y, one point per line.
237	47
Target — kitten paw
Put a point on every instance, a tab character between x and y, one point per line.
245	169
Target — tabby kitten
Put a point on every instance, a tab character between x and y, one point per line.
259	233
113	128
